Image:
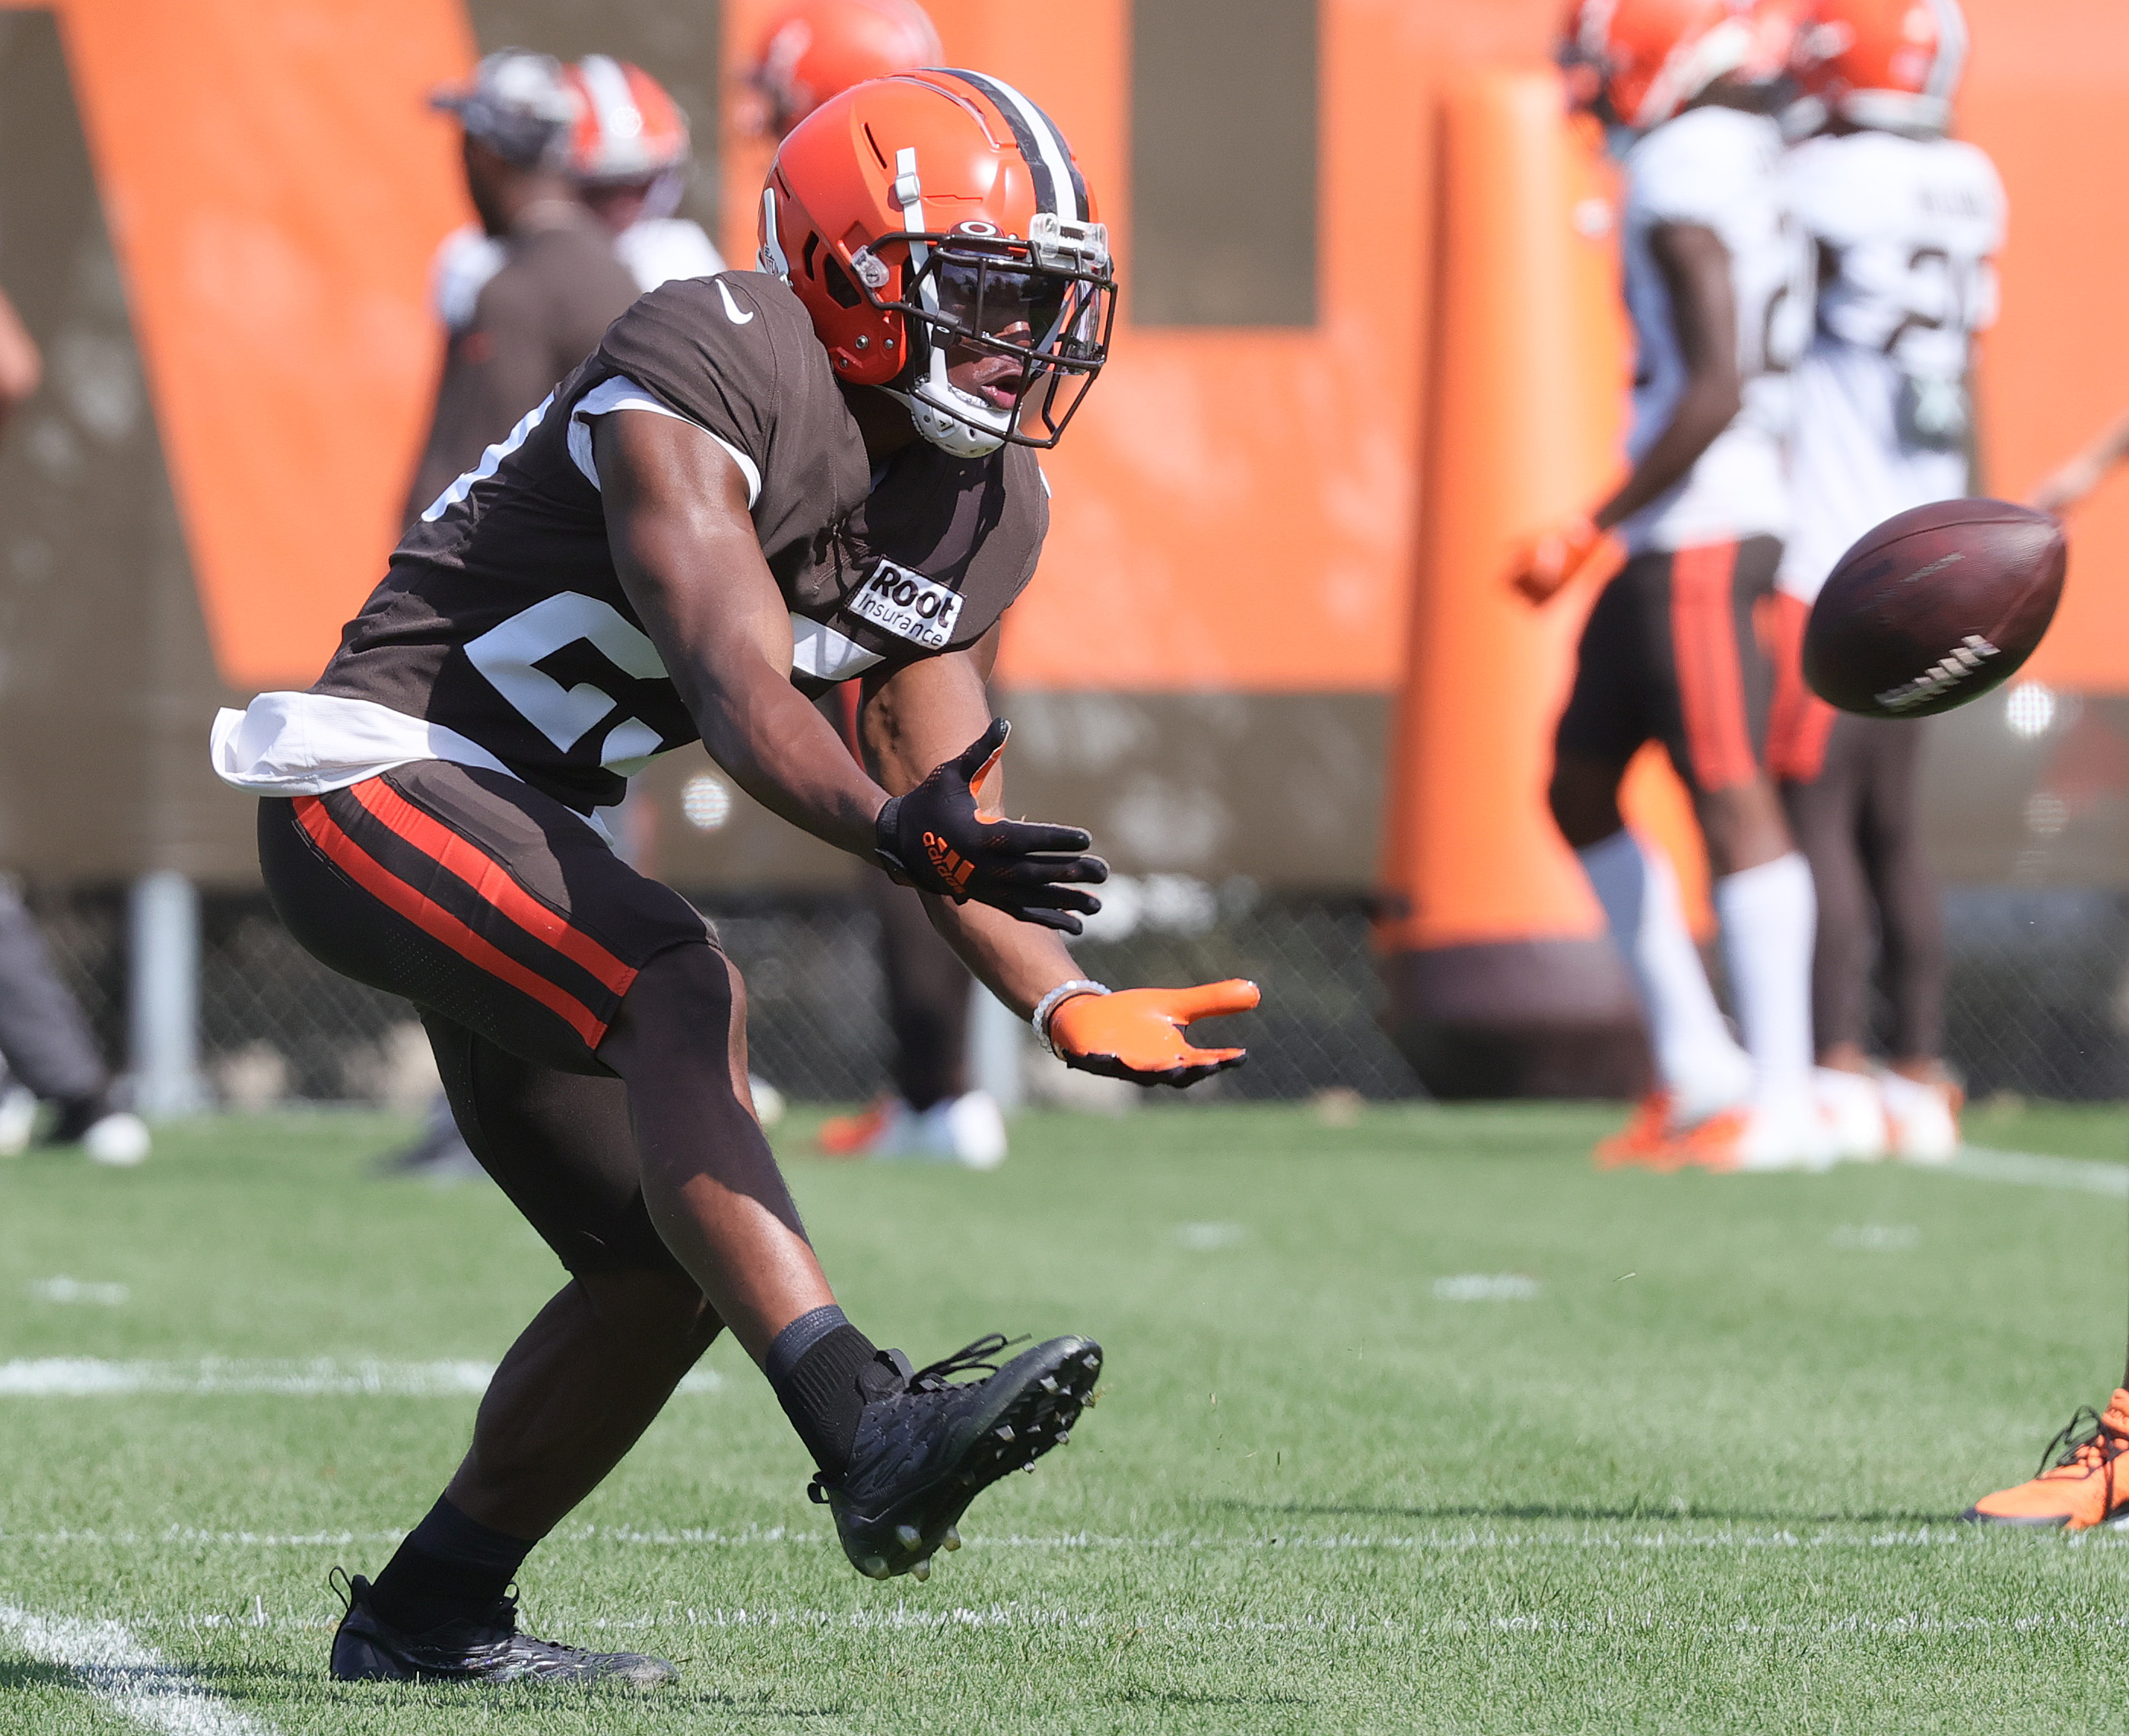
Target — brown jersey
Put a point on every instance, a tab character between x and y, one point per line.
560	286
502	619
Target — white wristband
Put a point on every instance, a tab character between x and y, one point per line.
1056	997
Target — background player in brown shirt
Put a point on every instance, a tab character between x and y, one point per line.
560	284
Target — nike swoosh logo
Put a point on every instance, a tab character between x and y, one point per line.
731	307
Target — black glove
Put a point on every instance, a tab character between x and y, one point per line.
935	839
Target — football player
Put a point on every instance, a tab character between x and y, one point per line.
524	300
1906	222
629	152
814	49
760	484
1717	285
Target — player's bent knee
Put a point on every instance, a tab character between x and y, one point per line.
694	985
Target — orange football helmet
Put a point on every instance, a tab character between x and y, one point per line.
934	219
628	128
1889	63
1639	62
814	49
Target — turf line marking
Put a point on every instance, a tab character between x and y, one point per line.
2030	1169
1671	1537
136	1681
80	1377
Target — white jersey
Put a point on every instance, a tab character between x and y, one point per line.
1720	169
658	249
465	260
1909	228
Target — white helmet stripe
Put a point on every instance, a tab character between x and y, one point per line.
613	103
1950	63
1057	190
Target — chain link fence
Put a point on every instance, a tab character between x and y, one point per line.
2038	1002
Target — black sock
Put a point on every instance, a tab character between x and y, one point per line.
449	1567
825	1372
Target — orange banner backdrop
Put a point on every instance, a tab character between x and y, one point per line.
273	187
1238	509
1235	509
2048	97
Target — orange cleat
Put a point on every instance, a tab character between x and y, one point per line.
2081	1483
855	1136
1645	1142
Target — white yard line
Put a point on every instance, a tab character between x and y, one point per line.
2030	1169
77	1377
135	1681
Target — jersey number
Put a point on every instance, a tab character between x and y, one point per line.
509	656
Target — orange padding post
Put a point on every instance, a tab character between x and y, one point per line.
1525	417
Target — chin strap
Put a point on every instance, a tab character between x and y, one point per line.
947	431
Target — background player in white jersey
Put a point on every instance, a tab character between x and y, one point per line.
1905	222
1717	284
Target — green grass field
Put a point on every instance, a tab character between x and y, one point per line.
1696	1471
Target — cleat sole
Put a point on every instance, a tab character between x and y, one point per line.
1030	1417
2044	1522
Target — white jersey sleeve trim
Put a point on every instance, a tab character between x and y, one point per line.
291	744
621	392
490	461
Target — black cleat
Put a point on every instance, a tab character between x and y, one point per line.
489	1650
924	1453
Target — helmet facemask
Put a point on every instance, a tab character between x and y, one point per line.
1024	324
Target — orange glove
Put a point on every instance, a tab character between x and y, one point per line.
1543	564
1138	1033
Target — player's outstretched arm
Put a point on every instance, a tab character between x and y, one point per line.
691	565
1138	1034
2081	474
687	558
1696	270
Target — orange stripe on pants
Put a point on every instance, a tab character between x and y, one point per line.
1801	723
374	878
491	881
1711	683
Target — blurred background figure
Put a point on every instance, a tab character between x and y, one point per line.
1906	222
1718	287
629	153
812	51
552	284
52	1055
526	295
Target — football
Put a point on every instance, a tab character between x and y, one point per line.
1934	607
